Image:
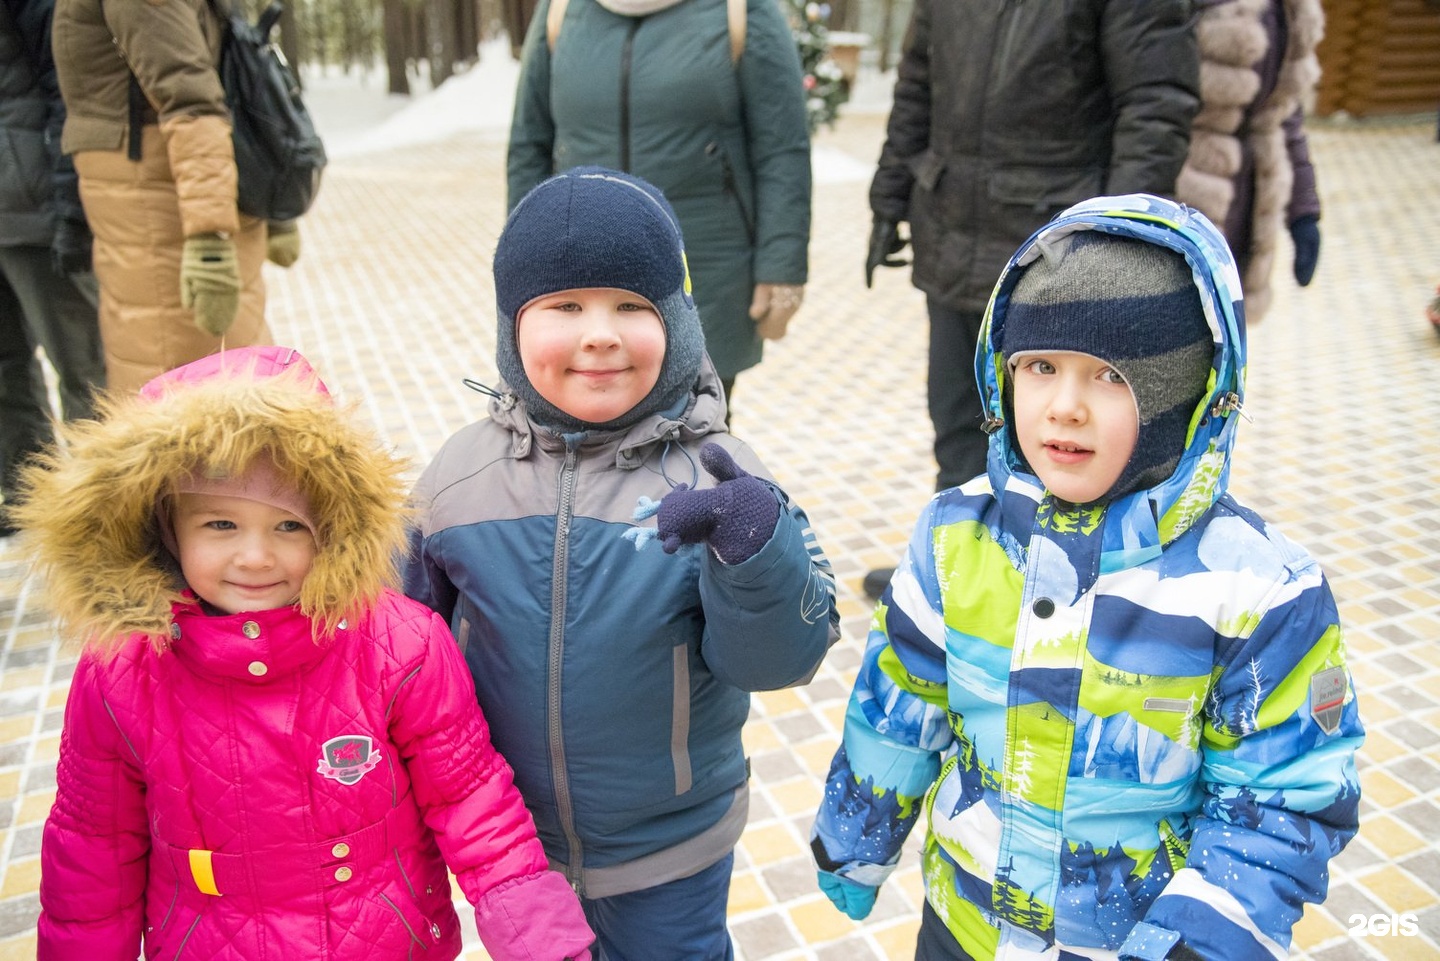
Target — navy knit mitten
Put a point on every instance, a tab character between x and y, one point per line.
736	517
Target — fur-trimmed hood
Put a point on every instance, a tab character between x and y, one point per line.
89	505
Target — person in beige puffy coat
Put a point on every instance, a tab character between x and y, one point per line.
178	264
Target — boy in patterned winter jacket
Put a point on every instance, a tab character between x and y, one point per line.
268	753
1122	696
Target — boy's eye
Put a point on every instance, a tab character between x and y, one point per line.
1112	376
1039	366
631	306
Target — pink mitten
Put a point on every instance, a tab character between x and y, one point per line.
534	918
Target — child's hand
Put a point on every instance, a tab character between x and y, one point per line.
736	517
853	898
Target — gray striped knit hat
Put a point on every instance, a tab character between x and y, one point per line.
1134	305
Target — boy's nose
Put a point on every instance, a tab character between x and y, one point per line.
602	334
1068	402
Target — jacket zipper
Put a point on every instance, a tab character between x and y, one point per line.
564	809
625	56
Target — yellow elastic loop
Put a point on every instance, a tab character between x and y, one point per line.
203	872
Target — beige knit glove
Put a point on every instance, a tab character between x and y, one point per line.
772	306
282	242
210	281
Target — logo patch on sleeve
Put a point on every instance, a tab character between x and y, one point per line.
1327	698
348	757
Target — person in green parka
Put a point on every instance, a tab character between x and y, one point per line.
711	112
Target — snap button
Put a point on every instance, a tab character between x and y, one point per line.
1044	607
175	632
435	930
343	625
258	668
341	850
250	629
343	873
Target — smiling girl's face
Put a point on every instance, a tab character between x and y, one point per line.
239	554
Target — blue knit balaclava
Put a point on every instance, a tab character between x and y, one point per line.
1134	305
592	227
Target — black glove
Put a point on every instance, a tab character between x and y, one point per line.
1305	232
736	517
70	250
885	242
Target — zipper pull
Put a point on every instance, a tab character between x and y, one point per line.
1228	403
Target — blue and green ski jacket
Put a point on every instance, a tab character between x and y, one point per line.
1127	726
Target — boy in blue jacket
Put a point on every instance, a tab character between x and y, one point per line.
617	675
1122	696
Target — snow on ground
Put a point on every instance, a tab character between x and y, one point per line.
355	115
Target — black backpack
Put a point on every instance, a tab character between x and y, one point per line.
278	154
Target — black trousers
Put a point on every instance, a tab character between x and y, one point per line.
954	397
38	308
935	942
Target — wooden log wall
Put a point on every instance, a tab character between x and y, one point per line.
1379	57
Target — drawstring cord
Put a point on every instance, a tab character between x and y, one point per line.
645	508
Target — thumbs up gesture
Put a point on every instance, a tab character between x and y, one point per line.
736	517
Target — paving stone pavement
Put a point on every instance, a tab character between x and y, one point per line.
393	302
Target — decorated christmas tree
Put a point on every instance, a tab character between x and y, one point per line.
824	84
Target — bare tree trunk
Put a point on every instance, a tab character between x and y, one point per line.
290	41
467	18
440	40
317	36
353	36
395	46
887	33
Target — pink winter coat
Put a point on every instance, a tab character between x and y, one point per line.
251	794
288	783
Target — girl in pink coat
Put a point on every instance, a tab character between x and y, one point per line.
267	752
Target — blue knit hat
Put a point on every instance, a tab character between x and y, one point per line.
592	227
1134	305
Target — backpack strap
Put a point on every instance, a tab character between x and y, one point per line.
735	19
735	16
136	100
553	18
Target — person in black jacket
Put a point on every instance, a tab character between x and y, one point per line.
1004	115
48	295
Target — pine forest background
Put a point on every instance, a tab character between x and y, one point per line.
434	39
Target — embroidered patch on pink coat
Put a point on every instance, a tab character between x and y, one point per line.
348	757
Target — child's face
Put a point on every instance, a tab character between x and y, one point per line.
239	554
1076	422
594	353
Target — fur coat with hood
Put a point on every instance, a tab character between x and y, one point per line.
1248	167
285	783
